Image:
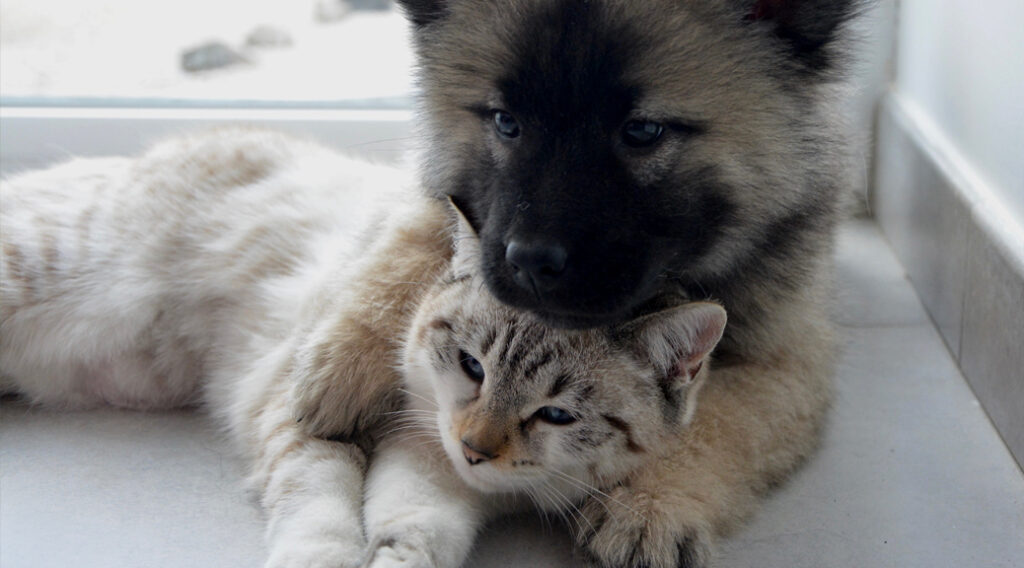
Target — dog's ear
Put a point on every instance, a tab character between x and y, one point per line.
424	12
678	340
466	260
808	27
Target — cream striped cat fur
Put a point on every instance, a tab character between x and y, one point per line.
224	269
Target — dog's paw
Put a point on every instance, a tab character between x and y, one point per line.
320	410
629	529
393	553
339	401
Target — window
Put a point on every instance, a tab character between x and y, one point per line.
108	76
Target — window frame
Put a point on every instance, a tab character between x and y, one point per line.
33	136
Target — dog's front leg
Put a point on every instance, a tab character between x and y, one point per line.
754	424
344	379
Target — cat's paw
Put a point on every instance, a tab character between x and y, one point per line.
630	529
315	554
392	553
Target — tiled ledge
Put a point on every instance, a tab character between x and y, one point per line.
964	255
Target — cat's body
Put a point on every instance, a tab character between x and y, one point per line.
219	268
164	267
187	276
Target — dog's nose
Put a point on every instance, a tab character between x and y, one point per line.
473	455
537	266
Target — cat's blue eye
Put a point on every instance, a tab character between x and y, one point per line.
473	369
554	415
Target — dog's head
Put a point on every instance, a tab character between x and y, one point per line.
609	150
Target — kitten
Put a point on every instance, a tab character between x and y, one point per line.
215	270
520	409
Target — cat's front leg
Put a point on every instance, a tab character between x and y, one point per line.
419	513
754	424
311	489
312	504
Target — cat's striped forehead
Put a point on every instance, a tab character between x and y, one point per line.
513	343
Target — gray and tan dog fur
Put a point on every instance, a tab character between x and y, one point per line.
211	270
639	152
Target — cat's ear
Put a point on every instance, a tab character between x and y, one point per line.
424	12
466	260
678	340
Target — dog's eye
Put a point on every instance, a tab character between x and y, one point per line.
473	369
554	415
641	133
506	124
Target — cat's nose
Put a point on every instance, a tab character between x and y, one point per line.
474	455
536	266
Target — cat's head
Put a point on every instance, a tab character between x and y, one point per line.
523	406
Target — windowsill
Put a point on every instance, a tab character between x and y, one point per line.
32	137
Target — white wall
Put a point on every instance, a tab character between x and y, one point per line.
961	64
949	186
874	36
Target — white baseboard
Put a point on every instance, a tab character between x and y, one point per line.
964	252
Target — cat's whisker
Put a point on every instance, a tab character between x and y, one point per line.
536	494
428	444
411	421
555	501
580	484
409	425
571	508
425	416
590	489
422	422
419	396
411	411
418	425
422	439
534	497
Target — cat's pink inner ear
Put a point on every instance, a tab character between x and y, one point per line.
678	339
707	323
692	370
